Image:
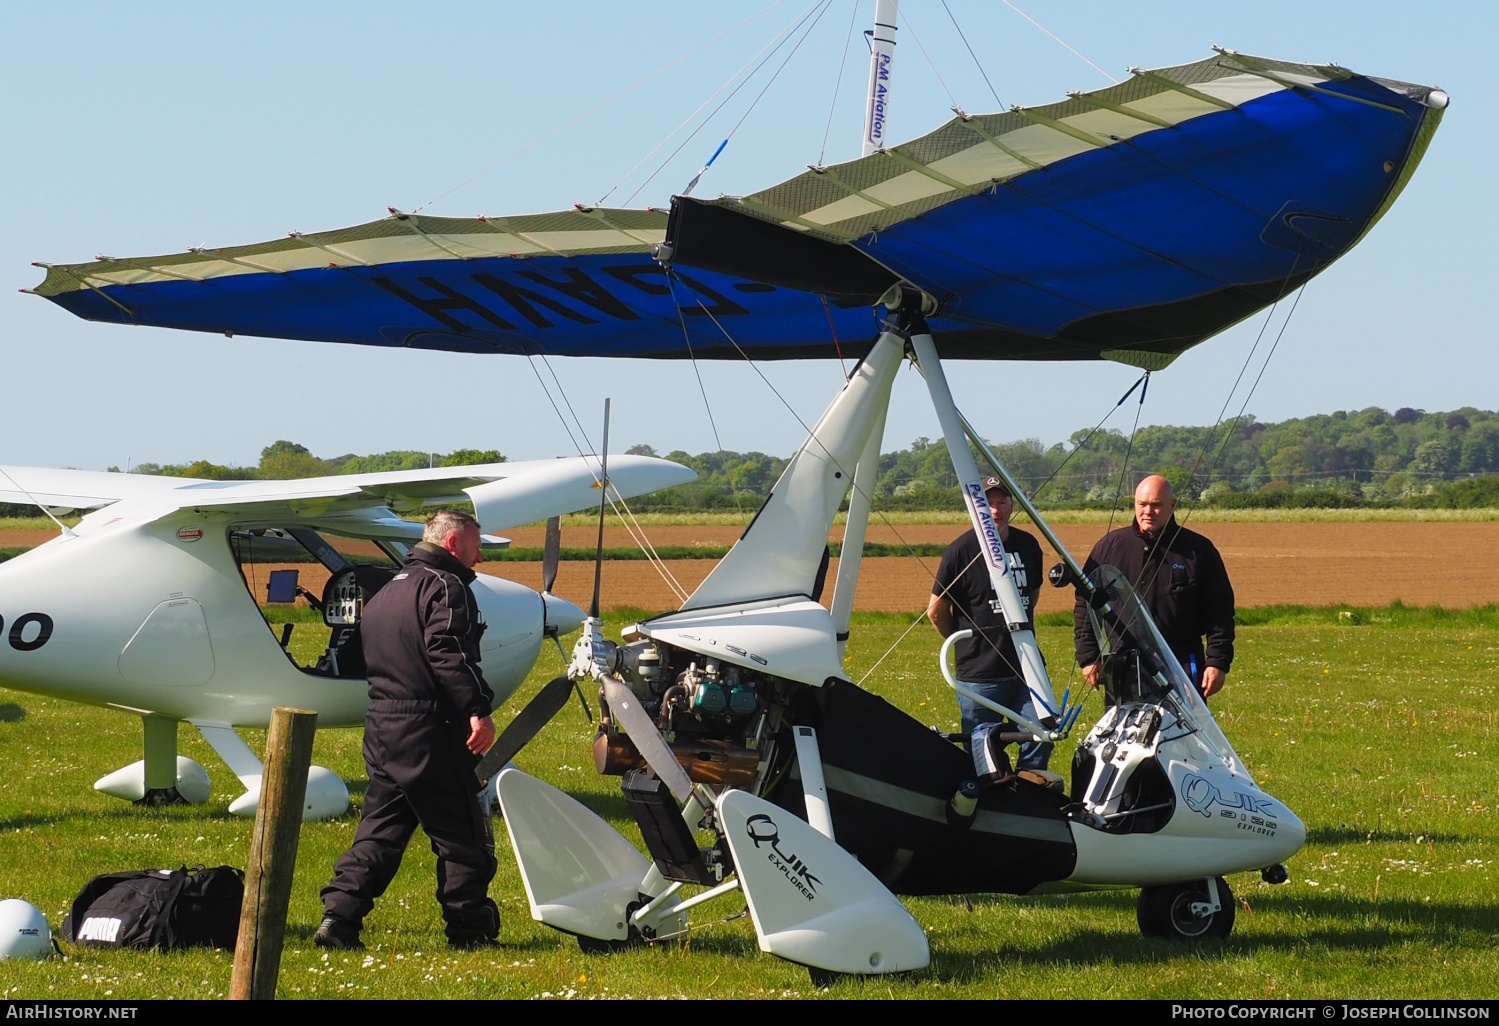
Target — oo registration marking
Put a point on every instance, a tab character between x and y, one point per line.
22	637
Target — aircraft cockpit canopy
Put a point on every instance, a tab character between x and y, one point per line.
332	576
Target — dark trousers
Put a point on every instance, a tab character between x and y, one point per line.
978	721
420	773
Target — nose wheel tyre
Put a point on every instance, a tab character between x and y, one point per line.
1173	911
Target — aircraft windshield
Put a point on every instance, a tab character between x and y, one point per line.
1141	667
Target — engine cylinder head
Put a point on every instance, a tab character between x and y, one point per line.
709	697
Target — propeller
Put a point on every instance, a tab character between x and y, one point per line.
555	609
598	555
592	627
546	703
595	657
551	554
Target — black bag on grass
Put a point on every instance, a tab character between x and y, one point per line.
158	908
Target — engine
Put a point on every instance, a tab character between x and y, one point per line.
720	719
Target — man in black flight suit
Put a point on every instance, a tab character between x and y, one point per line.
427	724
1182	581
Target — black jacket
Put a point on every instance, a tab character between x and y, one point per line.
421	639
1182	581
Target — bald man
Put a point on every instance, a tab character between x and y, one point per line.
1180	578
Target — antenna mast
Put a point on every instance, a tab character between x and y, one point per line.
881	56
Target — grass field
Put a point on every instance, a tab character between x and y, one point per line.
1377	728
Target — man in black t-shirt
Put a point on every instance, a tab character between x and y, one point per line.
962	598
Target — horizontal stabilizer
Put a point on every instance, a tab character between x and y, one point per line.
565	486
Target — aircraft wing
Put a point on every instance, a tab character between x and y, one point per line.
1128	223
69	490
504	494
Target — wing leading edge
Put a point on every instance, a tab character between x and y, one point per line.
503	494
1127	223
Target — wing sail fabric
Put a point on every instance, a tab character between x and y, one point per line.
1128	223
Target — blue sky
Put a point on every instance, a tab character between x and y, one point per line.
136	129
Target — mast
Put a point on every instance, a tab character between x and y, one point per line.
881	57
876	109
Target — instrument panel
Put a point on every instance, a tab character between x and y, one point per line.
343	604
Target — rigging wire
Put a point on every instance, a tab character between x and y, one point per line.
1128	449
627	518
824	4
838	82
1228	436
1089	436
1207	443
1059	39
951	99
66	530
688	119
921	562
832	330
548	392
894	529
598	106
671	283
975	56
567	402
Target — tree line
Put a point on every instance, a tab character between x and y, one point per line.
1370	457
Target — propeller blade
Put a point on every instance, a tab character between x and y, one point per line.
598	559
625	708
537	714
551	555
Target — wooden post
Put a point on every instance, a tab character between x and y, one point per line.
273	854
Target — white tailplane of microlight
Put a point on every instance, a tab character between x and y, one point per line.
146	606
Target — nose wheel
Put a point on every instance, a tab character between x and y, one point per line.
1186	911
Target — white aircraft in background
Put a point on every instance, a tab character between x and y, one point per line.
146	606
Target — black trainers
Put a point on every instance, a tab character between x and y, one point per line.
338	934
473	943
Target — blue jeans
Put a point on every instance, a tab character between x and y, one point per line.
978	721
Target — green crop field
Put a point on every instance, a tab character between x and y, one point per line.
1378	728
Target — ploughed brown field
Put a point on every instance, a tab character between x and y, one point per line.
1450	564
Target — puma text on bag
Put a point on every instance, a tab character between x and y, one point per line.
158	908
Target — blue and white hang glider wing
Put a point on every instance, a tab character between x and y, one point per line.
1128	223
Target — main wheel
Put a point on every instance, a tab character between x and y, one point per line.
1166	911
595	946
